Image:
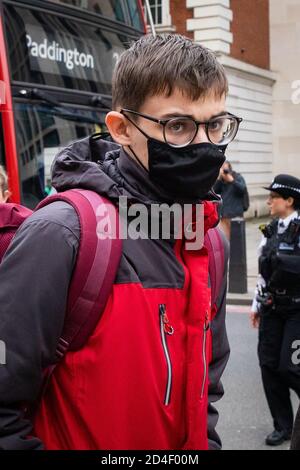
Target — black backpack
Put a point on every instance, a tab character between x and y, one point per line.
246	200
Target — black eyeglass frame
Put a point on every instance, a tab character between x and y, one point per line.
164	122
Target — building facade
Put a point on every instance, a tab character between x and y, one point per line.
285	54
240	33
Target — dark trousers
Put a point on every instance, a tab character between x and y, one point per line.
295	443
279	359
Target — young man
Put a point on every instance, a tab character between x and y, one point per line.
4	191
141	380
276	308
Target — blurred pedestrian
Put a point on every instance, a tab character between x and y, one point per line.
48	186
4	191
235	201
49	189
276	308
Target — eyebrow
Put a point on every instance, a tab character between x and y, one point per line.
173	115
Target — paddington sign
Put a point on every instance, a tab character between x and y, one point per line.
53	51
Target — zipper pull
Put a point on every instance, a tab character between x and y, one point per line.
168	329
206	322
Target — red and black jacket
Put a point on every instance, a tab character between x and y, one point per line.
133	385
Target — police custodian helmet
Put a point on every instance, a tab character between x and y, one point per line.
286	186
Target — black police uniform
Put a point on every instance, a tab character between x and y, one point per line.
279	300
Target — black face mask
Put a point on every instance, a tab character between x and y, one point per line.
186	173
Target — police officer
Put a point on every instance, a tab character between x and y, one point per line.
276	308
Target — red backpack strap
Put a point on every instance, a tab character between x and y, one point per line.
95	270
214	244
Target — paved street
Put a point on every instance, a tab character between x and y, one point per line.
244	415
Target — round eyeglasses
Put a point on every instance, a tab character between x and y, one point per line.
181	131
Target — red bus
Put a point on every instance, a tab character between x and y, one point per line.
56	63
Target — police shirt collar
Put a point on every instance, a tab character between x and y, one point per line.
288	219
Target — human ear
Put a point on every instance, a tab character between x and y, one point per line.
290	201
6	195
118	127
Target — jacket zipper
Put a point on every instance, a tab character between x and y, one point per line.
205	329
166	329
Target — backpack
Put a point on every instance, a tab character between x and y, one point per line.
246	200
85	304
216	262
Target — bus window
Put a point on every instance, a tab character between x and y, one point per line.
135	14
125	11
58	57
56	51
41	132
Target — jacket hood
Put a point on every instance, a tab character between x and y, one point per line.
101	165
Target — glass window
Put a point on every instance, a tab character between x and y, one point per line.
156	11
53	50
135	15
41	132
114	9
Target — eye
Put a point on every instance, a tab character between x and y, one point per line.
216	126
177	126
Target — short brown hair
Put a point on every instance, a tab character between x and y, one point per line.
3	180
157	65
